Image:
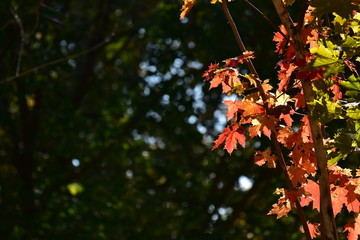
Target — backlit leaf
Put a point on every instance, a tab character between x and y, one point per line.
188	4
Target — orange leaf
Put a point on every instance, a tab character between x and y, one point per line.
236	136
352	203
287	118
311	188
281	41
336	88
313	229
281	209
227	77
243	58
353	228
188	4
338	198
266	123
231	135
286	69
299	100
254	130
297	175
233	107
250	108
266	156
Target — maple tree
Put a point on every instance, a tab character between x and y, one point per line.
318	83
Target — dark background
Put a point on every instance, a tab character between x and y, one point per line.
115	142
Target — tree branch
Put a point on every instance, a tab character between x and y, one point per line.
276	144
22	42
302	16
328	225
106	41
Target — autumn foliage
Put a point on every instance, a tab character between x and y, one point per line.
317	83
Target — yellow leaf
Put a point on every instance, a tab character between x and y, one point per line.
75	188
288	2
30	101
220	1
282	99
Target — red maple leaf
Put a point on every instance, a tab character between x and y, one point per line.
281	41
250	108
263	124
286	69
233	108
297	175
311	188
353	228
299	100
254	130
335	88
227	77
287	119
231	135
311	74
310	36
313	229
338	198
352	203
243	58
209	74
283	135
266	156
280	209
306	131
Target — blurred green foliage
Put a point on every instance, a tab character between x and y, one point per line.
115	143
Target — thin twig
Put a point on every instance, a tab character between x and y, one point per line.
273	133
242	47
261	14
56	61
22	42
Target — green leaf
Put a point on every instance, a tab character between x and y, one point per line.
338	23
335	157
353	83
353	112
323	109
324	56
343	142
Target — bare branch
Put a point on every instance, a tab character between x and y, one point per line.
56	61
261	14
22	42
